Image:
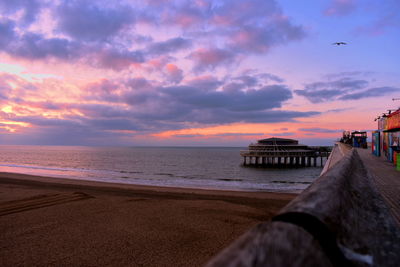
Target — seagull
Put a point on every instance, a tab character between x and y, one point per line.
340	43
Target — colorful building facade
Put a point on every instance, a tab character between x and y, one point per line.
386	141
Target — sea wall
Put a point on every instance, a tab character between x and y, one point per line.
340	220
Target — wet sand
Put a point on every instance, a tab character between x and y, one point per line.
53	221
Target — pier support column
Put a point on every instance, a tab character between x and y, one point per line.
321	161
263	161
244	160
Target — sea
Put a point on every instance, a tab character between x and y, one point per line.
218	168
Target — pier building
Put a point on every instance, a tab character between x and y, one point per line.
282	152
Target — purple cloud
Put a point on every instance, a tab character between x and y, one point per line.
35	46
371	92
173	74
86	21
186	14
206	83
342	89
168	46
116	59
30	8
7	33
270	77
108	36
210	58
254	26
259	39
331	90
240	12
199	101
248	80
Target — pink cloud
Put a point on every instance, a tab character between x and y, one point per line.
209	58
186	20
174	74
340	8
260	39
157	64
117	60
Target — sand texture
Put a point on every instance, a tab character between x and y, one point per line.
60	222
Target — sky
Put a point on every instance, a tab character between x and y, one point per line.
195	73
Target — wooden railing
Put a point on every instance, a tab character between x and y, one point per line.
340	220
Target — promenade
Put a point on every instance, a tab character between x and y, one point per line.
386	178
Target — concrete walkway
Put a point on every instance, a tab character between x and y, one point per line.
386	178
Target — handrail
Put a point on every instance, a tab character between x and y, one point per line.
345	205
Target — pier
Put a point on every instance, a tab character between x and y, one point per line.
282	152
350	216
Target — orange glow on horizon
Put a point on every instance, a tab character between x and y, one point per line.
252	131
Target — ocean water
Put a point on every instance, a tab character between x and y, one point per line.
190	167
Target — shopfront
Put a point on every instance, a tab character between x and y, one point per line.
391	136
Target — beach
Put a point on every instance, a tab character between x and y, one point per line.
53	221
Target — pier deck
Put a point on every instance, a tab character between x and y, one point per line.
386	178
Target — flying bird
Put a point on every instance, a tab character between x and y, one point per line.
339	43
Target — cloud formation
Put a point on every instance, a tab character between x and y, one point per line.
84	20
111	36
144	106
210	58
371	92
29	8
342	89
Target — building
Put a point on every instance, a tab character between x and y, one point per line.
282	152
386	140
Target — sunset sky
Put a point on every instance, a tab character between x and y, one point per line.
200	72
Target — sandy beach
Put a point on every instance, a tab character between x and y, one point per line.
52	221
